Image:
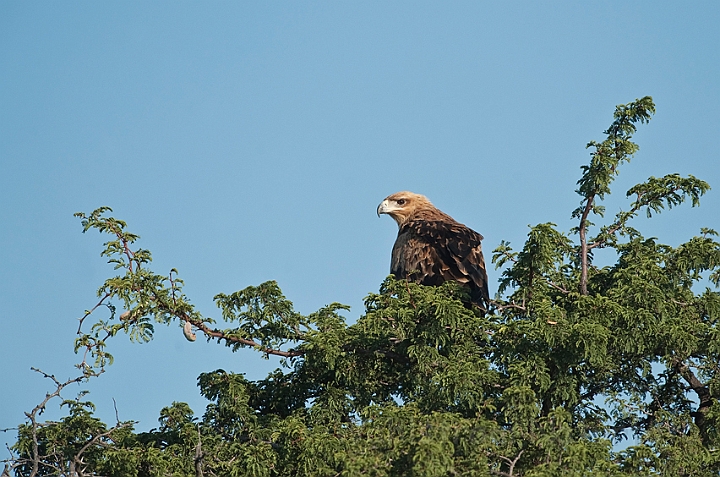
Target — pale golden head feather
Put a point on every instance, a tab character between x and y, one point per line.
404	206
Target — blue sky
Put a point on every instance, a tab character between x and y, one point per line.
253	141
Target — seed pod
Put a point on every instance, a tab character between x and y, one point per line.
188	332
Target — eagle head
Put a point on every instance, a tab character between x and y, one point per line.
403	205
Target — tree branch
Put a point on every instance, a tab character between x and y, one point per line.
511	465
39	409
702	391
90	311
199	454
77	458
583	244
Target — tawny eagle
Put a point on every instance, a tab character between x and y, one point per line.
432	247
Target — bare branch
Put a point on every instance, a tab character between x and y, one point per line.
511	465
38	410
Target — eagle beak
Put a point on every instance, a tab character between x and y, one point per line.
382	208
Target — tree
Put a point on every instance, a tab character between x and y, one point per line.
572	359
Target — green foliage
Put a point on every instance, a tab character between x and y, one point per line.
570	362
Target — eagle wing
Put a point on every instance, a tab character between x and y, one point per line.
433	252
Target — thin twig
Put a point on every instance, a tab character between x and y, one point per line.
117	415
89	312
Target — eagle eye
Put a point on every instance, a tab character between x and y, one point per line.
401	201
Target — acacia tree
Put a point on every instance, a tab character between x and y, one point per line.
571	360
